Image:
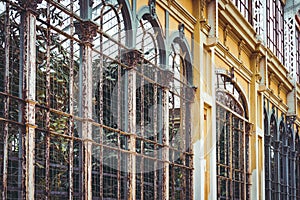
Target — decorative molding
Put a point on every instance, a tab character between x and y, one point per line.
257	57
179	13
241	46
202	9
238	24
86	30
227	57
152	8
225	34
280	87
271	76
131	57
170	2
181	28
274	100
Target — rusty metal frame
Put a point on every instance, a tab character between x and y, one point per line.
232	110
281	142
79	126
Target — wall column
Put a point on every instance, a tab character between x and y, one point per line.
86	31
28	63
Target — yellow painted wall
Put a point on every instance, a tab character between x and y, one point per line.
283	96
141	3
232	46
245	59
161	17
207	76
207	147
260	166
173	24
187	4
244	85
259	110
220	63
221	35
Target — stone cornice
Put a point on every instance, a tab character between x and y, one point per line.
281	73
239	25
224	54
275	100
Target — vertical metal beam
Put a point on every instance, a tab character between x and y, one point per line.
28	60
48	103
134	7
86	9
132	130
6	103
71	103
86	31
165	104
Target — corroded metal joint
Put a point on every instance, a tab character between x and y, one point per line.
30	5
131	57
86	31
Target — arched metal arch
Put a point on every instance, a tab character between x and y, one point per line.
144	12
282	124
240	89
128	21
266	122
273	117
176	37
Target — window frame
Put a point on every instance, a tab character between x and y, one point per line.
226	183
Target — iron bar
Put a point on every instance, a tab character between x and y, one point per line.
6	104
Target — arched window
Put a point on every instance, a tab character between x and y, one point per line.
149	112
273	157
179	120
232	141
110	86
268	185
283	157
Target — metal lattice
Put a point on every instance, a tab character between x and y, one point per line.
245	7
275	28
84	116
